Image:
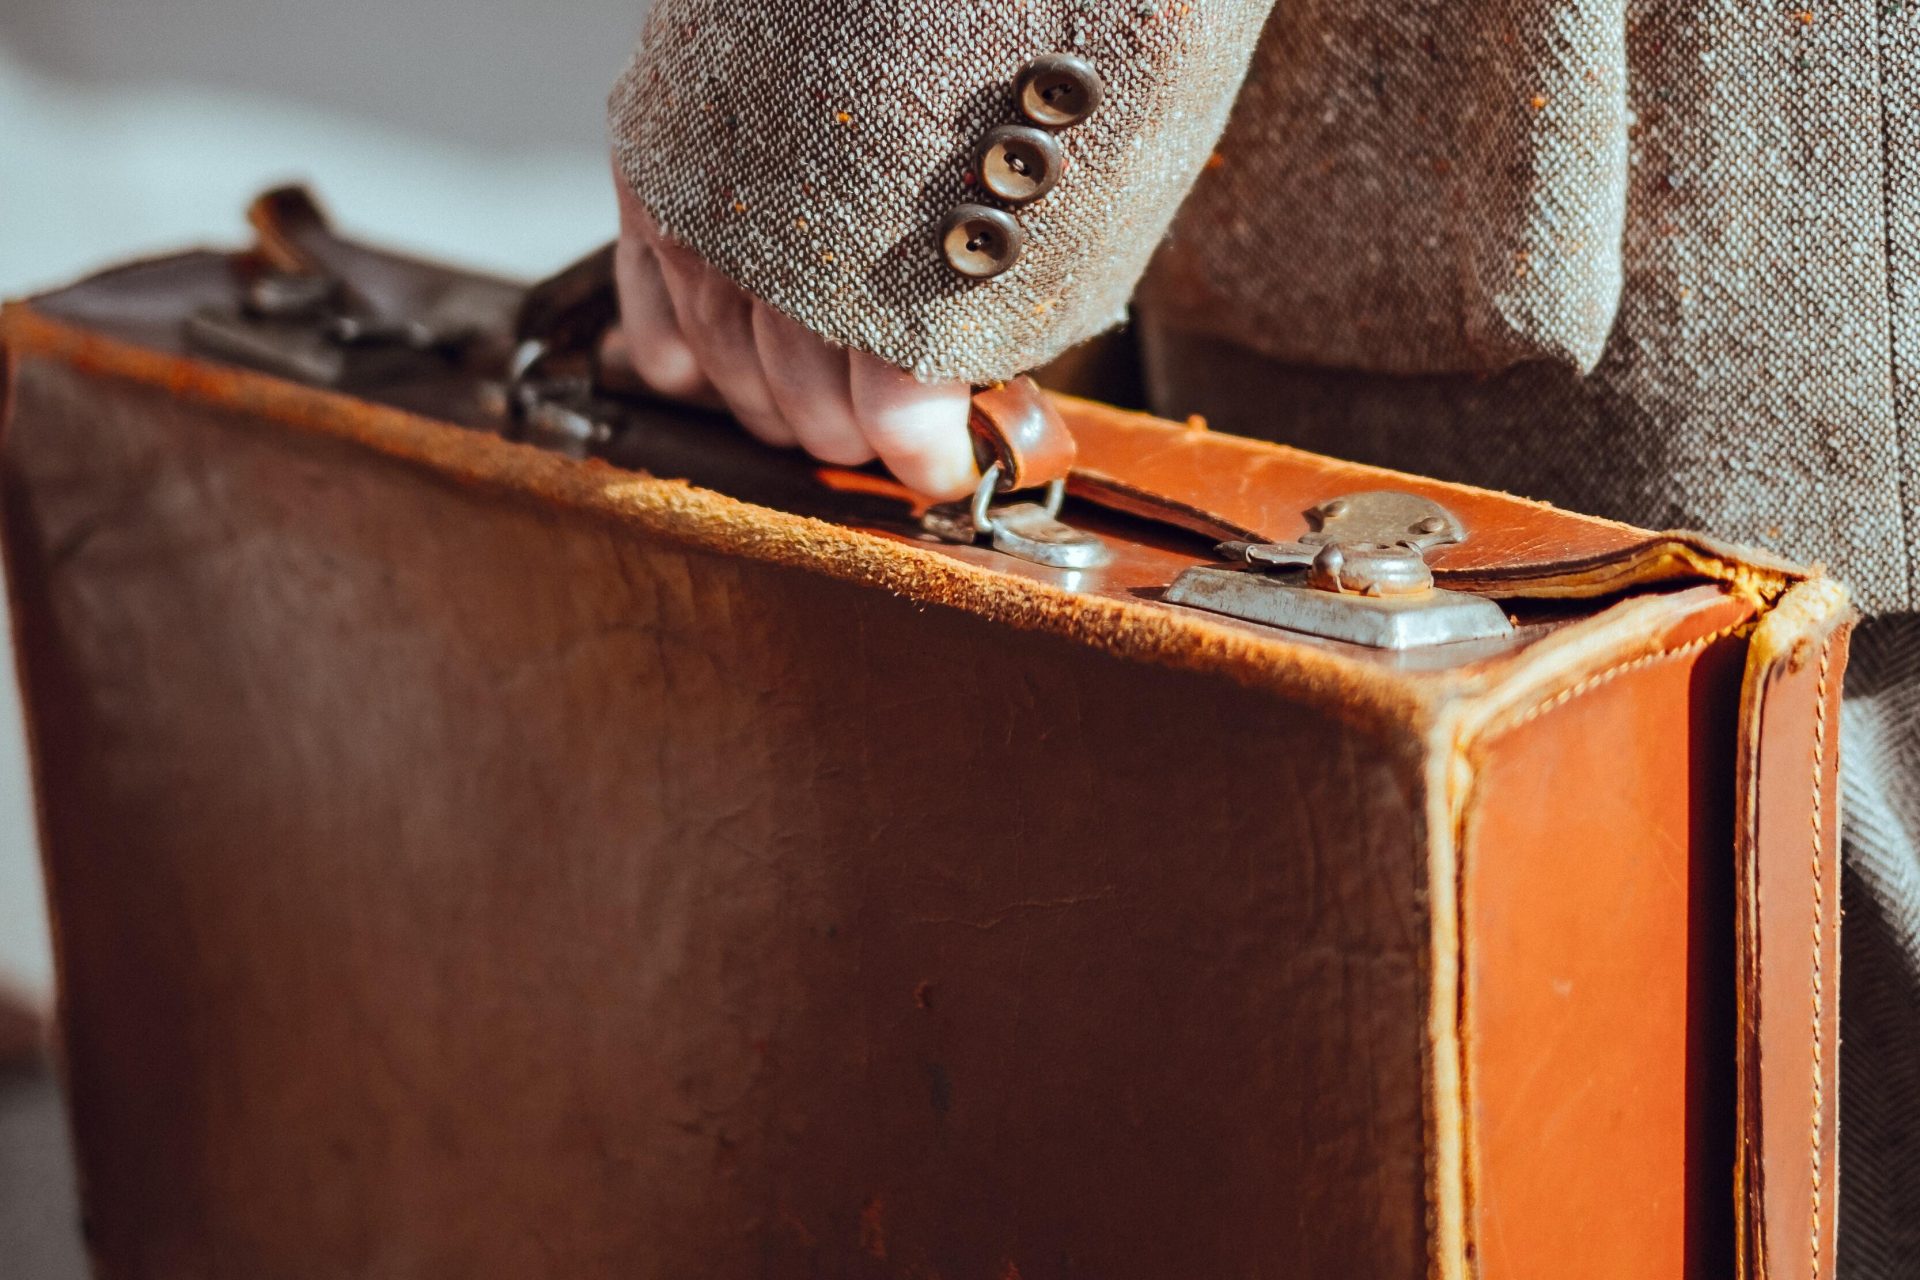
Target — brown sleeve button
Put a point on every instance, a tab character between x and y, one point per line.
980	241
1058	90
1018	163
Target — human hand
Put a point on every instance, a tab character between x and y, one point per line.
691	332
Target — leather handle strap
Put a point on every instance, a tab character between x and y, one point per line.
572	310
1014	423
294	232
294	236
1016	426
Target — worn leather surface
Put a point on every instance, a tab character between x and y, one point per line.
449	886
470	861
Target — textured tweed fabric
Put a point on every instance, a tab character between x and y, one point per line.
1760	380
1880	969
810	149
1415	187
1718	201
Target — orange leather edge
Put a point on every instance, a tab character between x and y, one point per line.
1788	924
1225	486
1596	989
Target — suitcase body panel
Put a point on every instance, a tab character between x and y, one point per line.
697	916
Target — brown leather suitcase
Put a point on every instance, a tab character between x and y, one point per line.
499	830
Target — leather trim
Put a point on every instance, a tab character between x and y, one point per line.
1224	486
1347	686
1788	921
1596	987
1635	634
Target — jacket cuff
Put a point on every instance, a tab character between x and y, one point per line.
814	151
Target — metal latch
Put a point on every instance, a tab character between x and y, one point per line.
1027	530
1360	575
552	395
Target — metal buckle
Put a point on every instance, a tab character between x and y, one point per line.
559	412
551	393
1029	530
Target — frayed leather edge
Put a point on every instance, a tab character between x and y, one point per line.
1673	557
1377	700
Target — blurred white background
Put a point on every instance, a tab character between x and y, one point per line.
467	129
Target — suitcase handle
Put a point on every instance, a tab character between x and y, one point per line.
564	318
1016	429
1021	441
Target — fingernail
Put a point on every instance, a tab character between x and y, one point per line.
953	478
674	367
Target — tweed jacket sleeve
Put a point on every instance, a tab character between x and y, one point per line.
812	149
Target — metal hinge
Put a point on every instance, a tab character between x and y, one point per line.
303	326
1360	575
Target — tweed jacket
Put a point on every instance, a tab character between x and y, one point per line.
1659	259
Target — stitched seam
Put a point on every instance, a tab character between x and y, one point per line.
1819	923
1464	1087
1607	676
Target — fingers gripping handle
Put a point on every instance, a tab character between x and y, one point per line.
1014	424
1021	442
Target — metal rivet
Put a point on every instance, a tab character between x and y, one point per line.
1432	524
1058	90
1018	163
981	242
1334	509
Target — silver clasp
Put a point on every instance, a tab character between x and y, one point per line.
1360	574
1370	544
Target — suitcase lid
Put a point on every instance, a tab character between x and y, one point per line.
1172	514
